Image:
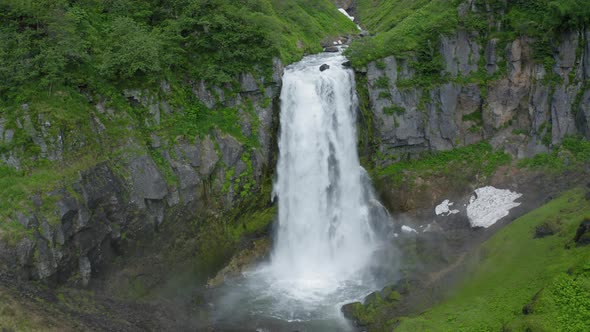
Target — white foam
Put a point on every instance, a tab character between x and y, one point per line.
490	205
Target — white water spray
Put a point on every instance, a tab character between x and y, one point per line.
324	236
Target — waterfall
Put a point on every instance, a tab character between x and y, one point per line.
325	245
324	234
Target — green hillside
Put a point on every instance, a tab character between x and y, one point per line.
408	26
93	45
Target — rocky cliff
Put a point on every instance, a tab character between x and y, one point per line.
130	186
493	89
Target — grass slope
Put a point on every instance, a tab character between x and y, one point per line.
550	275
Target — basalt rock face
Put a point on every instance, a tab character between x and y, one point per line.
524	108
345	4
75	227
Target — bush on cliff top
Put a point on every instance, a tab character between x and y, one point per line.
95	43
408	26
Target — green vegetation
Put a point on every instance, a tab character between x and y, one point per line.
369	312
572	154
403	27
521	283
411	29
96	44
222	238
60	58
30	314
382	82
394	109
473	159
476	117
17	187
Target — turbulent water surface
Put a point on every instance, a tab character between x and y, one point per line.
325	242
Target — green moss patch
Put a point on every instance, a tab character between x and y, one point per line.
572	154
470	160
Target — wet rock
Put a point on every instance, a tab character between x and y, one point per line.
188	179
248	83
85	270
347	64
583	233
25	250
25	220
324	67
148	182
98	185
68	208
46	264
243	260
231	149
331	49
208	157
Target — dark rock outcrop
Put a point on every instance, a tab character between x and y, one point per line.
547	229
583	233
83	222
331	49
519	111
324	67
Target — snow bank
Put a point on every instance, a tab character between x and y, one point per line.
345	13
490	205
444	208
407	229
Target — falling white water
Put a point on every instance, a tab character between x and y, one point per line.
324	236
325	244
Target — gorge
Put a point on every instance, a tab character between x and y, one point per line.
141	144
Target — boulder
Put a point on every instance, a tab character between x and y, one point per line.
583	233
347	64
547	228
324	67
331	49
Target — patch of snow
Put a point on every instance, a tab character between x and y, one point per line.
444	208
343	11
407	229
490	205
